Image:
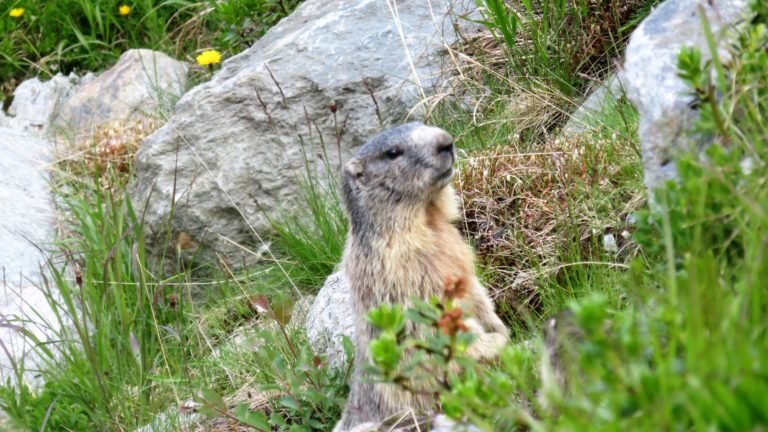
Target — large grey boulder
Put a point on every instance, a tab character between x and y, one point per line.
237	144
650	76
27	219
142	85
140	82
330	319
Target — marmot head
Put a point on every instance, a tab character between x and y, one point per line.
405	166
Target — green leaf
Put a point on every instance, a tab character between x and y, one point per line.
349	348
244	414
289	402
390	318
212	404
385	352
277	420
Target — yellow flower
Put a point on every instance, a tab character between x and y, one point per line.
16	12
124	10
210	57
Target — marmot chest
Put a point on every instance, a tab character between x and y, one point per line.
419	265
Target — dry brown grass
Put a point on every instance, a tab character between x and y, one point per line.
115	145
535	205
108	153
528	212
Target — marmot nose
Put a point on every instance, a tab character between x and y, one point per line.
445	148
443	142
432	137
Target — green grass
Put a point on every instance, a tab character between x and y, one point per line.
128	345
676	340
86	35
316	247
110	319
560	44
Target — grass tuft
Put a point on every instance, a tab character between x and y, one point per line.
533	212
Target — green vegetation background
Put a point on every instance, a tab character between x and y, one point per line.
666	332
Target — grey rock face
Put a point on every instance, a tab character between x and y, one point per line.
140	84
587	116
26	232
36	103
237	143
39	111
329	319
651	81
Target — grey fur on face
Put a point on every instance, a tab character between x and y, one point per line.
402	166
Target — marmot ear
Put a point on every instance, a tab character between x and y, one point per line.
354	168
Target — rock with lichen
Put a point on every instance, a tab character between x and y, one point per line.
36	103
330	319
316	86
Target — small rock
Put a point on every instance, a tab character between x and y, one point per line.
588	115
301	311
329	319
747	165
180	418
442	423
36	103
138	86
609	244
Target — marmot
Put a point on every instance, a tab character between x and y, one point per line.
401	244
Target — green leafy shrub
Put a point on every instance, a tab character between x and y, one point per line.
433	359
51	408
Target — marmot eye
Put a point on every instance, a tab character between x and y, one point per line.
393	153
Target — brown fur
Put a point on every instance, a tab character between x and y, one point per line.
402	244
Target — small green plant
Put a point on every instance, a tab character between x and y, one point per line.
432	354
49	408
300	392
